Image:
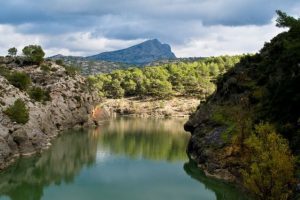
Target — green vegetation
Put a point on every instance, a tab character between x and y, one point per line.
184	79
12	51
39	94
18	112
34	54
20	80
271	165
70	69
45	68
262	88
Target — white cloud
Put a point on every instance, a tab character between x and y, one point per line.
210	41
77	44
10	38
221	40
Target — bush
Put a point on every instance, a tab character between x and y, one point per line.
45	68
71	70
59	62
39	94
18	112
271	165
34	54
20	80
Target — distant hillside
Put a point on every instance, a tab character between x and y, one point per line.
140	54
90	67
148	53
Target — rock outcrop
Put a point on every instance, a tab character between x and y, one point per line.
70	105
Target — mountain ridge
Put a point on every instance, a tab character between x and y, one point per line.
139	54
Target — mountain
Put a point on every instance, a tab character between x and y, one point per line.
140	54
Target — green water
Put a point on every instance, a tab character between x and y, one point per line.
124	159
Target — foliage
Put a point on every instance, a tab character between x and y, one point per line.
271	168
34	54
59	62
20	80
39	94
284	20
183	78
71	70
45	68
263	87
18	112
12	51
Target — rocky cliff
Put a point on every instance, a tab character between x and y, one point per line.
233	132
70	103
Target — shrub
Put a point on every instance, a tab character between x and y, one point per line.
71	70
20	80
59	62
45	68
271	165
34	54
4	71
39	94
18	112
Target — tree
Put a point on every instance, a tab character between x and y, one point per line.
271	165
34	54
12	51
284	20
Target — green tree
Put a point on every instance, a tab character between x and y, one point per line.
116	91
18	112
34	54
283	20
271	165
12	51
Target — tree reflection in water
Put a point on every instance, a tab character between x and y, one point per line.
125	138
152	139
26	179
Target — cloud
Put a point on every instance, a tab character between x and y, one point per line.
77	43
224	40
191	27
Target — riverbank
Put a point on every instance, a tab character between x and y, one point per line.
151	107
37	102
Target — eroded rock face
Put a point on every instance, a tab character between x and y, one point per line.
209	149
71	104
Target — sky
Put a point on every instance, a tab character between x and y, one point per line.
193	28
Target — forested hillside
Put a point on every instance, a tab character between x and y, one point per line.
248	130
180	79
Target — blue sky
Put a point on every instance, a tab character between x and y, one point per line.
191	27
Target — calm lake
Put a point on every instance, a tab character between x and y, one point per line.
124	159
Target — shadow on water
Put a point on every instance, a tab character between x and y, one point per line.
222	190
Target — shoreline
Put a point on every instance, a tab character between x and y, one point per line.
176	107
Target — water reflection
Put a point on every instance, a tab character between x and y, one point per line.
70	166
26	179
152	139
222	190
